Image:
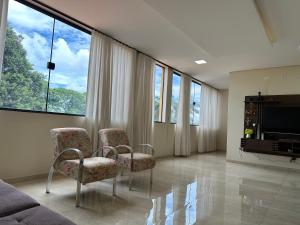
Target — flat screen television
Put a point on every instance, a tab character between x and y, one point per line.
281	119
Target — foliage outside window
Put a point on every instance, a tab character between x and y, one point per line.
176	79
158	92
195	103
33	39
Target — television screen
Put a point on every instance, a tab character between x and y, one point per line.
281	119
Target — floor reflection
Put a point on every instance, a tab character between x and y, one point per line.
190	205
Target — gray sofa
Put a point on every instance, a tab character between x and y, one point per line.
17	208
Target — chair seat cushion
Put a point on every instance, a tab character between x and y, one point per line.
140	162
94	169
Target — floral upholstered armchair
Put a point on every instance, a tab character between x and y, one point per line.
74	157
134	159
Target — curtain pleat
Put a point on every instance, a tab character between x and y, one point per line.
110	97
209	119
143	113
98	111
182	129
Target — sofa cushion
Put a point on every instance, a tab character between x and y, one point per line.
13	201
35	216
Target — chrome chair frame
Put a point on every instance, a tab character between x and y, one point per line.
80	168
149	150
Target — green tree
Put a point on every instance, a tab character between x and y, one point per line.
20	86
66	101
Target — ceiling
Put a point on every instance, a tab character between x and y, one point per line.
229	34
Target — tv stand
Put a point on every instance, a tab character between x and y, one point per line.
272	142
282	147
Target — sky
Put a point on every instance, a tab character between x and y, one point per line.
70	47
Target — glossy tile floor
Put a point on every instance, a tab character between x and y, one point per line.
202	189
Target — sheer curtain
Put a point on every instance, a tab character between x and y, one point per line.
143	113
110	96
209	119
122	93
3	20
182	130
98	111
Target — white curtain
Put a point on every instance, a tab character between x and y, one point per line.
122	93
143	113
209	119
98	111
3	21
182	130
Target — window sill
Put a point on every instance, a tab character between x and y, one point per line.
40	112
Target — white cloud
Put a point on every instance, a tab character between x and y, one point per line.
24	17
70	67
38	50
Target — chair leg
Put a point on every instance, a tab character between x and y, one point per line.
49	181
78	193
114	186
151	182
130	181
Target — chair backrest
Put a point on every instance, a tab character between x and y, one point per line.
114	137
71	137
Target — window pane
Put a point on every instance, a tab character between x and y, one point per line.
68	82
24	78
195	103
158	85
175	96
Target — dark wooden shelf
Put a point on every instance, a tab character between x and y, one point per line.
268	152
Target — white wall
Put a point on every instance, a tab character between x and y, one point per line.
25	145
26	149
222	132
273	81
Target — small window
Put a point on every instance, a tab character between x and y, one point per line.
176	79
158	92
195	103
33	39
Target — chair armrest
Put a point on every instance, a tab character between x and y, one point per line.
80	156
111	149
149	148
77	151
128	147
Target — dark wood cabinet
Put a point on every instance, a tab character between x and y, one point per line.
274	143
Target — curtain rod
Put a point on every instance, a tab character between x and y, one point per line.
86	26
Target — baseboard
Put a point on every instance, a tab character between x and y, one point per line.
29	178
264	166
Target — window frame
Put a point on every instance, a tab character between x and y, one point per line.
61	19
178	74
198	83
162	89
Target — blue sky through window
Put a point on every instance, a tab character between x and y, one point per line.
176	80
158	83
70	47
195	103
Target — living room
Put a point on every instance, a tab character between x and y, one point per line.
210	88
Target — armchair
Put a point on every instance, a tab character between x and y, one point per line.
134	159
73	157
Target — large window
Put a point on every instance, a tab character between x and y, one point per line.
176	79
195	103
158	92
33	39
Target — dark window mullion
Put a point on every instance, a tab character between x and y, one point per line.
49	74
